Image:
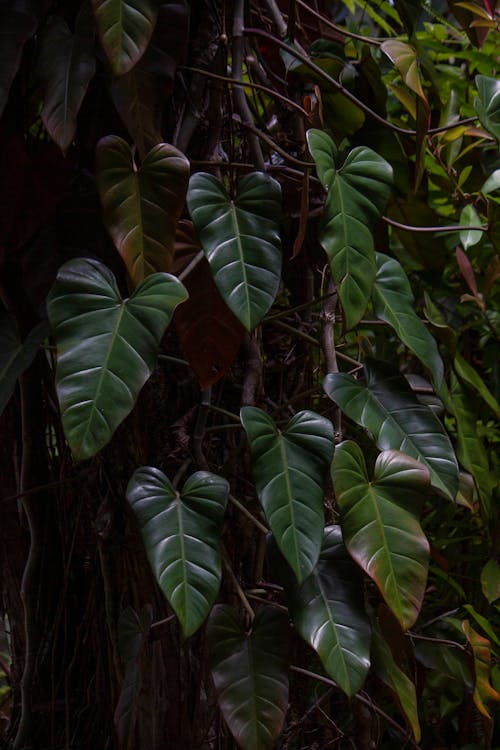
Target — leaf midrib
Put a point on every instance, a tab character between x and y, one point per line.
233	212
286	474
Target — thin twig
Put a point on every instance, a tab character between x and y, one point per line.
272	144
191	265
239	590
247	514
339	29
451	228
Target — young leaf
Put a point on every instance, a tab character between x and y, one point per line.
469	218
250	674
67	64
125	28
487	105
16	355
389	410
290	467
16	27
358	192
106	346
393	302
181	533
379	520
404	57
141	205
241	240
486	697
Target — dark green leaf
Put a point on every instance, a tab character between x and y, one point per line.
241	240
379	520
250	674
389	410
133	629
16	355
290	467
125	28
16	28
106	347
469	375
487	105
490	581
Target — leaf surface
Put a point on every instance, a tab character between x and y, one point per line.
106	347
290	467
241	240
125	28
487	105
181	533
16	355
486	697
250	674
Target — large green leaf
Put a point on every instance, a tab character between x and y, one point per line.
380	523
241	240
387	407
250	674
16	27
327	609
487	105
16	355
67	64
125	28
106	346
290	467
181	533
393	302
358	192
141	205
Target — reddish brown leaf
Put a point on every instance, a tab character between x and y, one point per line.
466	270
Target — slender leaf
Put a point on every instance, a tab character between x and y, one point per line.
250	674
387	407
106	347
290	467
241	240
125	28
16	27
379	520
181	533
469	375
487	105
16	355
393	302
358	192
142	205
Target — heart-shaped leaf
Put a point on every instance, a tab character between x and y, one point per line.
358	192
250	674
328	611
379	520
16	27
125	28
387	407
106	347
67	64
290	467
487	105
393	302
181	533
16	355
141	205
241	240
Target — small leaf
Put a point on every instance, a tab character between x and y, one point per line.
141	206
470	218
181	533
16	28
125	28
492	183
290	468
490	581
485	696
16	355
466	270
106	347
487	105
404	57
250	674
379	520
241	240
483	623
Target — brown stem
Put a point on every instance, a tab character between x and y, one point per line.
253	375
451	228
328	342
199	429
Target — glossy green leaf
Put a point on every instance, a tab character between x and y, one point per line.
358	192
328	611
241	240
380	524
469	375
393	302
469	218
16	355
181	533
250	674
387	407
16	27
490	581
290	468
391	675
106	347
125	28
492	184
141	205
487	105
67	64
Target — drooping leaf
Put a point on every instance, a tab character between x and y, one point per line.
487	105
67	64
380	524
181	533
327	609
141	205
250	674
106	346
290	467
387	407
484	623
469	218
490	581
125	28
241	240
16	27
16	355
486	697
393	302
469	375
358	192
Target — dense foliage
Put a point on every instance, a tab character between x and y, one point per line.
250	374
